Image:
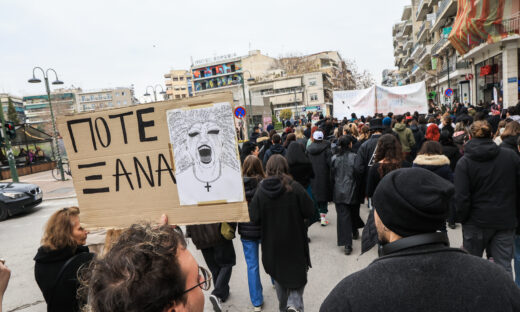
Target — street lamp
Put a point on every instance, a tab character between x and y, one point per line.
154	89
47	88
250	119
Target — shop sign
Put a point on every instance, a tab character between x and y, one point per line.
512	79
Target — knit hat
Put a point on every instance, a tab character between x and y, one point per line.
413	201
387	121
317	135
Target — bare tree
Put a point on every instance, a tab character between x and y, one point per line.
362	80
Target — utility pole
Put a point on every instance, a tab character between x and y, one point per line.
9	150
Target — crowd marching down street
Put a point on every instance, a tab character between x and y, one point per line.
418	174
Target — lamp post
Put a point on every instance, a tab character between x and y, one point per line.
154	89
250	113
47	88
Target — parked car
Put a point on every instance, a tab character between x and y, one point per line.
16	198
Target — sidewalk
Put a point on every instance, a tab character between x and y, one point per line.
51	188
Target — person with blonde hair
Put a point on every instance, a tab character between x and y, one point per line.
487	194
61	255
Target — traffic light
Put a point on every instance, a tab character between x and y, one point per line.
10	130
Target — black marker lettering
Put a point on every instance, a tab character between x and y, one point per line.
96	164
119	163
161	159
141	124
106	130
149	177
96	190
122	119
94	177
76	121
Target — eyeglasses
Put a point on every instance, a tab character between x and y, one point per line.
204	280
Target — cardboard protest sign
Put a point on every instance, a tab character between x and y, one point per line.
123	170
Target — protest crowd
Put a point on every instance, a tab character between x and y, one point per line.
419	174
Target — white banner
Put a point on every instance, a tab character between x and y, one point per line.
378	99
399	100
361	102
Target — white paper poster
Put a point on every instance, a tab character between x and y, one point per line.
399	100
360	102
207	167
378	99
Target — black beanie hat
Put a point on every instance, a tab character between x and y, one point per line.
413	201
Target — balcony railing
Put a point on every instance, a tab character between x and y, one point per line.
419	8
442	7
437	46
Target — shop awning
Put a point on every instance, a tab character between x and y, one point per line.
480	21
25	134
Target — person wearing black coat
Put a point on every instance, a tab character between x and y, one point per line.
58	261
510	143
417	270
345	185
275	148
487	183
251	232
281	206
219	255
320	155
449	149
430	158
366	154
418	135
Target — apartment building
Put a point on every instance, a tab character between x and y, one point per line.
37	109
179	84
104	98
446	52
17	103
309	92
390	78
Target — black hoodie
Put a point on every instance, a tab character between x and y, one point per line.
487	186
281	212
48	265
511	143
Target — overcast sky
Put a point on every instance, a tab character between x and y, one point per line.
99	44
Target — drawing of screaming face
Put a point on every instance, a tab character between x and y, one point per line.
205	144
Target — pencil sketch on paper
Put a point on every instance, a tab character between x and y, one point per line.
207	167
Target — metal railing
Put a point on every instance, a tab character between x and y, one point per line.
438	45
442	7
511	25
419	8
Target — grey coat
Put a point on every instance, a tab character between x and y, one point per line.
344	179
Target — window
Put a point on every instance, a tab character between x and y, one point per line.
84	107
92	98
93	106
183	96
110	104
181	78
118	103
314	96
124	102
123	93
183	88
177	96
175	79
312	82
83	98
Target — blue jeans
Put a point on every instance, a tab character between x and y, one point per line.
517	260
253	271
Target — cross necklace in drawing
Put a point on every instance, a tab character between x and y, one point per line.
208	185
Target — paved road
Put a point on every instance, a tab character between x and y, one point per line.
20	236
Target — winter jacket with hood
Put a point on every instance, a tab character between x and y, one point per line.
438	164
345	179
320	156
60	295
250	230
418	136
405	137
365	156
451	151
487	185
285	246
300	166
511	143
274	149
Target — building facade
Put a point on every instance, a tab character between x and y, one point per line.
310	92
436	42
179	84
104	98
37	109
17	103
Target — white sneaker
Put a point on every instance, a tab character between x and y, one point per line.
216	302
258	309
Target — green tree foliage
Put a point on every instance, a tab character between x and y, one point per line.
286	113
12	115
